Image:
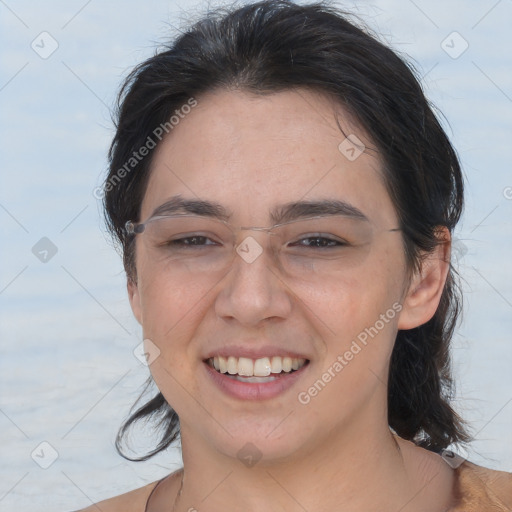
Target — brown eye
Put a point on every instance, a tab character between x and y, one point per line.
319	242
192	241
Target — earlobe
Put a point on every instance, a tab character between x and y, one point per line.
133	295
426	286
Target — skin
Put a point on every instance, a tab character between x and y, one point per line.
251	153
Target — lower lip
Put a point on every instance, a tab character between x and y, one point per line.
254	391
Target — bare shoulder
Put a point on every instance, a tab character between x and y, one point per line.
133	501
486	484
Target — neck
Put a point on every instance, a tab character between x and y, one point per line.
366	472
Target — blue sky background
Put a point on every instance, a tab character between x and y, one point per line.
68	375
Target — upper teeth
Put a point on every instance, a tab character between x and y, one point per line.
258	367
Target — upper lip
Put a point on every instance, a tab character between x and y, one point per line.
253	352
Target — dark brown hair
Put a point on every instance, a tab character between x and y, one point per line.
273	46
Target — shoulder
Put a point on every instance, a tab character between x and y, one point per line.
133	501
481	489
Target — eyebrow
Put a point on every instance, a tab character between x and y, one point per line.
324	207
178	205
280	214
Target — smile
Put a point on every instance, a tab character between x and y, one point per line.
246	378
262	367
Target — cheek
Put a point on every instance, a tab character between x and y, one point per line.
359	313
358	328
171	308
356	299
172	312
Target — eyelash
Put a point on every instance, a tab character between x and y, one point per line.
331	242
185	241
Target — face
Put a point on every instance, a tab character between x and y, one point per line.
335	313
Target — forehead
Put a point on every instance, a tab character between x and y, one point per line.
253	153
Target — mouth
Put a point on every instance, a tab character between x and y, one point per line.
256	371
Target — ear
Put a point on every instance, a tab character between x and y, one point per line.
134	296
426	285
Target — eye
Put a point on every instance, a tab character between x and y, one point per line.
192	241
320	242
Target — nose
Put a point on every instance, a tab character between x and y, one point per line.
253	290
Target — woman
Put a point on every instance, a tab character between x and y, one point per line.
284	198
